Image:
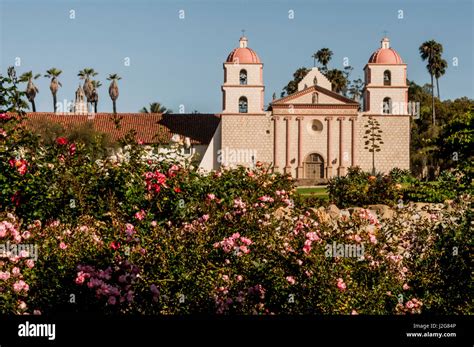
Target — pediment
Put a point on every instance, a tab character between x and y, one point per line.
314	95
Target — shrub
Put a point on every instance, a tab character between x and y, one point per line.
360	188
448	186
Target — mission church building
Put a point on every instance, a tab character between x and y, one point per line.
313	134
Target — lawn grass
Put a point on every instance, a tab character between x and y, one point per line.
319	192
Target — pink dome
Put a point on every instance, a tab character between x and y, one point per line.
385	54
243	54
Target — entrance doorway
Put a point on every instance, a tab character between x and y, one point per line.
314	166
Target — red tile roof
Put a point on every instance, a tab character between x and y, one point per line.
149	127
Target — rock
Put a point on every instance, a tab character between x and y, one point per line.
382	211
282	213
421	205
449	205
345	213
354	209
333	211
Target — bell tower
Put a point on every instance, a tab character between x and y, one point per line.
243	89
386	90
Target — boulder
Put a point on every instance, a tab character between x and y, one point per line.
333	211
421	205
282	213
382	211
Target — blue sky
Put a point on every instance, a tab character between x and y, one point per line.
179	61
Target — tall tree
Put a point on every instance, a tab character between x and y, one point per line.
323	56
439	69
95	94
54	73
31	89
86	74
338	80
430	51
292	86
155	107
355	89
113	89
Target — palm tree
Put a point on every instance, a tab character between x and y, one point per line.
323	56
439	69
113	89
53	73
338	80
94	97
156	107
31	89
430	51
86	75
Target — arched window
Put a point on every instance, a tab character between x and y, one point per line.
243	105
243	77
387	78
387	106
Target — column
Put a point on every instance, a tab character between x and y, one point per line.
329	148
275	143
299	169
341	170
353	142
287	160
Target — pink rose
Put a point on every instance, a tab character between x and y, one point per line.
246	241
410	304
26	235
312	236
211	196
291	280
19	286
30	263
244	249
72	149
341	285
225	277
16	271
4	275
406	286
373	239
62	245
112	300
22	305
140	215
239	278
306	249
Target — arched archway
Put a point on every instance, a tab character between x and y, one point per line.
314	166
243	105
